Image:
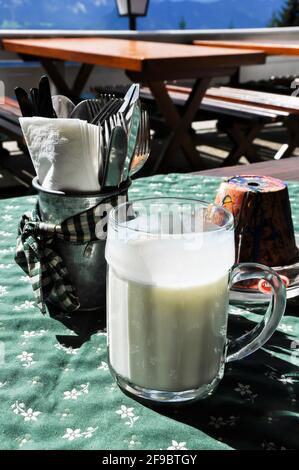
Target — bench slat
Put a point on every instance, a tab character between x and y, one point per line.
214	105
261	99
286	101
239	110
288	104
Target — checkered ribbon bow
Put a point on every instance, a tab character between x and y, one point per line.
37	257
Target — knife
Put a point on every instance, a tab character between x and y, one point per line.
132	139
34	93
25	104
46	108
116	156
130	98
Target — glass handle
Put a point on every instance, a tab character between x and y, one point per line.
257	337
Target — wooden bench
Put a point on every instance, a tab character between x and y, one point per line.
242	114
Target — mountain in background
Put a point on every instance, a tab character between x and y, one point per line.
162	14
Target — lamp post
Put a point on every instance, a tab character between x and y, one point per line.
132	9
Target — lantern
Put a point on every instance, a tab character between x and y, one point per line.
132	9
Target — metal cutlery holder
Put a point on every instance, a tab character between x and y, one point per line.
85	262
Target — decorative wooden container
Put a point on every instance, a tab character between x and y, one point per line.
264	231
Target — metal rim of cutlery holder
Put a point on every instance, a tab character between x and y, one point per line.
86	267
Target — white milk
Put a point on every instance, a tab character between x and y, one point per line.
167	308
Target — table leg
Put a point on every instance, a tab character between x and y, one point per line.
59	81
179	124
242	138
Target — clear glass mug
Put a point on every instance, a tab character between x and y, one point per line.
170	267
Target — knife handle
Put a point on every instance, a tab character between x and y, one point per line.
25	104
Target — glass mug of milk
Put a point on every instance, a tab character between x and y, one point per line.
170	267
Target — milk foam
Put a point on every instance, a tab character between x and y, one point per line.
172	261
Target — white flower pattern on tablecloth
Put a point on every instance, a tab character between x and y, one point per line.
103	366
246	392
65	414
74	393
65	370
66	349
26	358
27	335
11	208
175	445
85	388
89	432
232	420
132	442
271	446
28	304
287	380
285	328
7	217
6	266
71	394
216	422
3	291
24	278
272	374
127	413
6	251
35	381
28	415
5	234
72	434
23	440
112	388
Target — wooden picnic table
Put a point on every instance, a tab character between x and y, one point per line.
270	48
290	48
151	63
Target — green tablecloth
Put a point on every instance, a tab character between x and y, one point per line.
58	394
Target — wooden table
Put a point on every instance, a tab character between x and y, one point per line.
148	62
287	169
270	48
286	48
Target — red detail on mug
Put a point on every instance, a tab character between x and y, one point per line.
265	288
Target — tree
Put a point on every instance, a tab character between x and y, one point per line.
182	23
288	15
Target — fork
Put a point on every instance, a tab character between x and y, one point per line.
102	157
95	106
118	120
142	150
110	108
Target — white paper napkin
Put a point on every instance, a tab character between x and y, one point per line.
64	153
